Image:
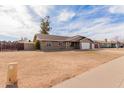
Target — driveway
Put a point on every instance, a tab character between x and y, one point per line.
109	75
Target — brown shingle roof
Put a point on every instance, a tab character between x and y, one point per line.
44	37
75	38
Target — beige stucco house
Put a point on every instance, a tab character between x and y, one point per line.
54	42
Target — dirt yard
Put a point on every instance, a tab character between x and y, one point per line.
45	69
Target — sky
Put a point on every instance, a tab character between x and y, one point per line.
95	22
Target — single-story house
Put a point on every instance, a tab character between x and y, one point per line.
54	42
104	44
108	44
120	44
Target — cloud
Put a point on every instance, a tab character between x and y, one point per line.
96	29
96	26
16	21
65	15
96	22
41	10
117	9
100	29
109	32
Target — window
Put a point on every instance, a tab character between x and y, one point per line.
48	44
60	43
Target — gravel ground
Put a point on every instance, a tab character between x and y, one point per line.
45	69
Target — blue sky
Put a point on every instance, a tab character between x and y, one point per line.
96	22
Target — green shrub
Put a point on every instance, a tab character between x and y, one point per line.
37	45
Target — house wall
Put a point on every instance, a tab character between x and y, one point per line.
105	45
109	45
119	45
61	45
54	45
96	45
29	46
113	45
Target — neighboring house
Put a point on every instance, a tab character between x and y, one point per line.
108	44
25	45
53	42
120	44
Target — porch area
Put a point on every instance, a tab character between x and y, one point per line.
73	45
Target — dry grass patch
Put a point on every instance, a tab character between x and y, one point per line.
45	69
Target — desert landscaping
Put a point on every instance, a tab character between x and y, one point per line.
46	69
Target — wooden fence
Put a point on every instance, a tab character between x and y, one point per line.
11	46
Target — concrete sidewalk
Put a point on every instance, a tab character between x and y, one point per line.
109	75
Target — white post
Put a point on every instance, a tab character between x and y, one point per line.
12	81
1	46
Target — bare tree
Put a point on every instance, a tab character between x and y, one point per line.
45	25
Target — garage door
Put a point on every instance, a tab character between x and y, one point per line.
93	46
85	45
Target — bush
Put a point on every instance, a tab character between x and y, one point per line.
37	45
